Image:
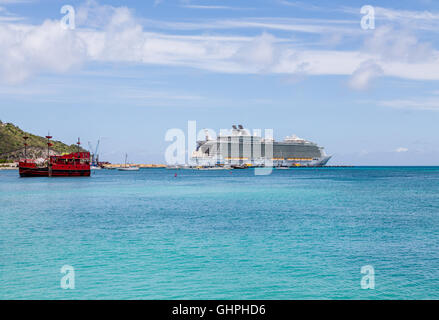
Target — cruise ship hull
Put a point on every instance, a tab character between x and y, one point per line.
211	162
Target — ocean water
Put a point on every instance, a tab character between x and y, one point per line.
295	234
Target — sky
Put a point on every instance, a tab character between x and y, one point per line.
128	71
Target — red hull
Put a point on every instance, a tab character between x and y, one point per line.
44	172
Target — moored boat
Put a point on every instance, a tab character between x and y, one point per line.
76	164
127	167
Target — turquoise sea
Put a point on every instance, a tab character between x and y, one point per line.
295	234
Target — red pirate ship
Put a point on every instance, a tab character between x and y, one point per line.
75	164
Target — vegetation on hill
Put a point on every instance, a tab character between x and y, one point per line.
12	144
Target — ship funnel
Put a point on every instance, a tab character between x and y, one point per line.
240	126
234	127
206	132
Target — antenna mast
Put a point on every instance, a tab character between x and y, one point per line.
78	143
48	145
25	147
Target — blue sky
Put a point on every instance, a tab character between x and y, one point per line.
131	70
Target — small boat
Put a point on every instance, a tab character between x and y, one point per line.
127	167
178	167
239	166
212	168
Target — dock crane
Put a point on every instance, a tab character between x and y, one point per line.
94	154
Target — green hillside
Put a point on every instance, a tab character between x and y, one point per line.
12	148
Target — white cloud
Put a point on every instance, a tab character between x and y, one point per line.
398	45
302	5
414	104
395	15
259	54
10	19
364	74
15	1
401	149
208	7
109	34
406	14
6	16
26	50
296	25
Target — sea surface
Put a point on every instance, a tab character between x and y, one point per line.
302	233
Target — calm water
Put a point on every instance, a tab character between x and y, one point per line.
296	234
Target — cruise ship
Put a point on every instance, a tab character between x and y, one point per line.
239	148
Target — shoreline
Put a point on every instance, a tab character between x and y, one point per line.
9	166
120	165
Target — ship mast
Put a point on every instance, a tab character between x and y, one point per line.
49	166
48	146
25	147
78	143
